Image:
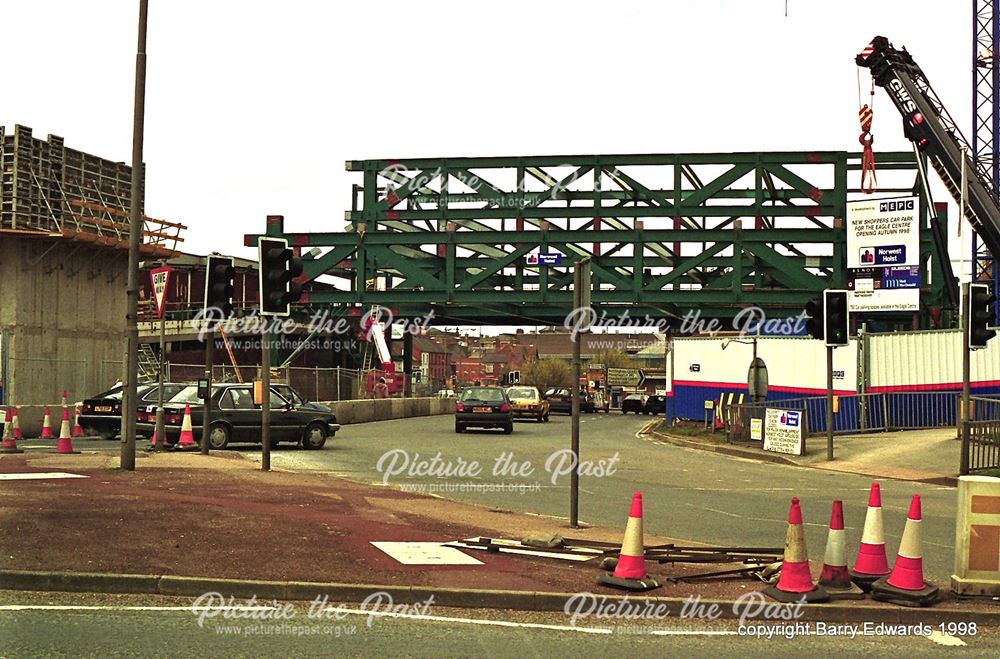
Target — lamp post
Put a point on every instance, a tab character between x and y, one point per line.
755	368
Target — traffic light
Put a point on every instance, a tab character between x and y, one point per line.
219	274
278	269
835	318
814	310
980	305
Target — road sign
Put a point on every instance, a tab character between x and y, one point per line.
783	431
624	377
160	279
543	259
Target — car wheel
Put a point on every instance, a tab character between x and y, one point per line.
314	437
218	436
108	435
508	429
459	427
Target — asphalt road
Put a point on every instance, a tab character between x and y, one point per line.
80	625
687	494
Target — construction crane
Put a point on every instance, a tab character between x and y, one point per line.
927	123
986	121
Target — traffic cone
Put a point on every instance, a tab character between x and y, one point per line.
65	443
835	578
187	435
47	425
795	583
871	564
906	585
630	572
8	445
77	429
152	442
17	428
65	397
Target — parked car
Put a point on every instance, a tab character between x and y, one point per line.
561	400
527	403
235	417
102	414
484	407
634	403
656	404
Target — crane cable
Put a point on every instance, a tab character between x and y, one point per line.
865	114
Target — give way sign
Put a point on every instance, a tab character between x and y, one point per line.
160	278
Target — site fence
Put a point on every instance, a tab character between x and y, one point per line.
863	413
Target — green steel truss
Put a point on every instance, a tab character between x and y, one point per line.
666	234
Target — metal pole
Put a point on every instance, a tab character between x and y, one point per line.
209	368
338	383
159	397
129	395
963	428
265	401
829	402
574	478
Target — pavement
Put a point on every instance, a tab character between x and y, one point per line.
926	456
185	524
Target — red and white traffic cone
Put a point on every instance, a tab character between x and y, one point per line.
630	572
65	398
187	435
795	583
906	585
65	443
835	578
152	442
77	429
871	564
17	428
47	425
8	445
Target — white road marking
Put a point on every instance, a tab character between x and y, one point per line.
945	639
41	475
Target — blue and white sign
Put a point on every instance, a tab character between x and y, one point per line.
882	255
783	431
905	277
543	259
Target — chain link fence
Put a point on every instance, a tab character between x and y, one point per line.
317	384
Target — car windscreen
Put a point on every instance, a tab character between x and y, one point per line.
114	393
523	392
634	397
187	395
488	395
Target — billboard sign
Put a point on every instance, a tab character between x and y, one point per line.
883	254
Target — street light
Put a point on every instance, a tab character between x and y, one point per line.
757	392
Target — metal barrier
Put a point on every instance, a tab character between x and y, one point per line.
326	384
863	413
980	446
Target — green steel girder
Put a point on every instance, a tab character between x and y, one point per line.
665	233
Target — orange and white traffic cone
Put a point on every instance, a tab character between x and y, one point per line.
835	578
630	572
65	443
47	425
77	429
187	435
17	428
795	583
871	564
152	442
8	445
906	585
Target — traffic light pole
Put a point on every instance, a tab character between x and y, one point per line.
829	402
209	367
963	416
265	400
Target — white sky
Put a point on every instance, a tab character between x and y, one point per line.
253	107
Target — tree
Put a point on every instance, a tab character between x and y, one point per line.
616	359
544	373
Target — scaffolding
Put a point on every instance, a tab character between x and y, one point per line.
49	190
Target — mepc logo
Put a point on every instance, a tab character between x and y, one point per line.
893	206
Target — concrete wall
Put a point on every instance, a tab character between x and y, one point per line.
63	306
364	411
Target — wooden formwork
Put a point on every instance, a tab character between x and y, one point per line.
48	189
